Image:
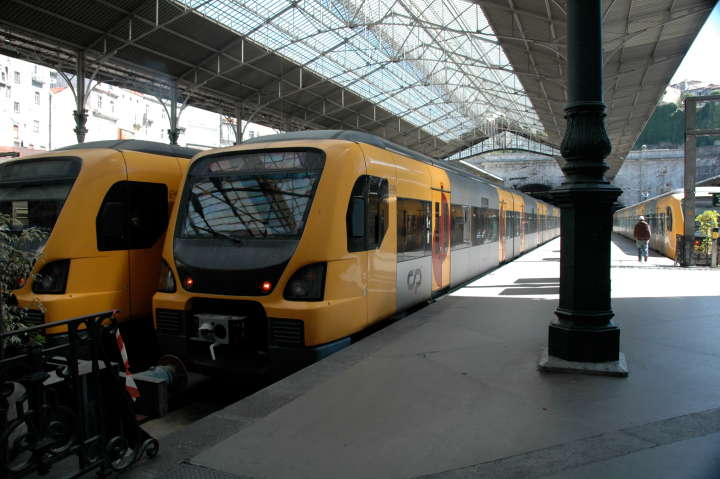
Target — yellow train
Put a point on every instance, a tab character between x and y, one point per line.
665	216
288	244
104	207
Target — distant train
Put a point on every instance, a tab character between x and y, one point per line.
288	244
104	209
664	213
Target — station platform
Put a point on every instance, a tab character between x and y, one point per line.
453	391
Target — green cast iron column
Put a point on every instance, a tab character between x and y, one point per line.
583	330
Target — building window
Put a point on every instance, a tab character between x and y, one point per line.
99	102
4	76
17	77
112	106
37	97
16	107
36	126
16	132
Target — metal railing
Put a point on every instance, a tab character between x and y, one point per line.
66	399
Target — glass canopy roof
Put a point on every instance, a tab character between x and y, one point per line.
435	63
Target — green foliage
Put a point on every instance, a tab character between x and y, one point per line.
706	221
16	262
666	127
708	117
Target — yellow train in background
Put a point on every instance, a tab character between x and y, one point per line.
287	245
104	209
664	214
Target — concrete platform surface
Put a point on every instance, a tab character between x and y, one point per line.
453	390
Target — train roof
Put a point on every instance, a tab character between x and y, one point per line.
680	194
142	146
349	135
362	137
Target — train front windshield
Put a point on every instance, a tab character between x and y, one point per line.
33	192
251	196
244	212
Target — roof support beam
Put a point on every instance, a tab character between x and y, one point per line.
80	112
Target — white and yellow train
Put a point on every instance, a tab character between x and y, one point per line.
289	244
664	214
104	208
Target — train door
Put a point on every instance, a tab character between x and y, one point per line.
519	224
357	221
505	219
152	184
440	186
381	261
501	230
413	228
112	285
540	227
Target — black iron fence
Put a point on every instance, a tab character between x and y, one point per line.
63	404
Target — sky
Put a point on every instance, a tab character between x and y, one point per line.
701	62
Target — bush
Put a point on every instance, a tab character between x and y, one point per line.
17	257
707	220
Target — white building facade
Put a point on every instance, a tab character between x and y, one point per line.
36	113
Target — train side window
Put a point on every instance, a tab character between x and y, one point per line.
355	218
378	210
461	227
484	225
413	225
669	219
479	226
367	215
133	215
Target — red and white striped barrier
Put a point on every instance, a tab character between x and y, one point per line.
130	385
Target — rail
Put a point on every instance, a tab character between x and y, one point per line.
66	399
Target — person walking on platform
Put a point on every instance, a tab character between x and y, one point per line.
642	238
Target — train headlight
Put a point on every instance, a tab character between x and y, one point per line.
166	281
52	278
307	284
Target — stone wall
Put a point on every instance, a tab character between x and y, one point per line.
649	173
644	174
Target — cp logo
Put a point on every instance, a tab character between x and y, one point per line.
414	279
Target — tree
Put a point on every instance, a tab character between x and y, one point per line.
707	220
708	117
666	127
17	257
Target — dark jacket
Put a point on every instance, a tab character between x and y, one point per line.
642	231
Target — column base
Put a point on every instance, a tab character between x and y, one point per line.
590	343
553	364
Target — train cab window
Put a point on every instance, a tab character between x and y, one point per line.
461	227
367	215
133	215
413	224
33	193
668	219
378	211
